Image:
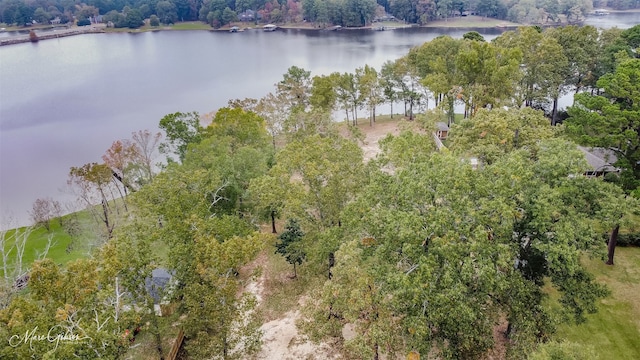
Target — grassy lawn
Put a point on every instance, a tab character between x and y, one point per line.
614	332
190	25
64	248
472	21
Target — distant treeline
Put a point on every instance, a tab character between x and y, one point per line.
122	13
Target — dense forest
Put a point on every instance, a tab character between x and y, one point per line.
130	13
418	250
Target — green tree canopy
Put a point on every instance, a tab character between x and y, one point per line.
612	120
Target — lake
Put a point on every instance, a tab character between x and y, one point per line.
64	101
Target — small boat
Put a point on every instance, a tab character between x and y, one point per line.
234	29
380	28
601	12
269	27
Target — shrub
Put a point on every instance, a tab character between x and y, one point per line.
33	37
154	21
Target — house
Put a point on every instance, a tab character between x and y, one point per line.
600	161
442	130
55	21
386	17
248	15
157	286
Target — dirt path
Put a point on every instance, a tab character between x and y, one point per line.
281	339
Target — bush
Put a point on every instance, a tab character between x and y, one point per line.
632	239
563	351
34	38
154	21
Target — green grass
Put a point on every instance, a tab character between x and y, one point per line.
281	292
189	25
64	248
472	21
614	331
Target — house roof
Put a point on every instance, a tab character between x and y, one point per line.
155	285
599	159
442	126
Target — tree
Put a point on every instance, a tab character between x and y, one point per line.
580	47
486	75
127	262
612	120
435	63
323	95
631	37
295	88
267	196
389	82
119	157
145	152
41	16
134	19
358	12
487	238
290	245
317	176
493	133
197	207
154	21
167	12
118	19
229	16
240	127
13	265
236	151
181	129
94	185
71	305
347	94
369	90
273	110
412	90
473	36
219	324
355	297
44	210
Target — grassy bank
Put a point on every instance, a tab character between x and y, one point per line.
472	21
614	331
64	247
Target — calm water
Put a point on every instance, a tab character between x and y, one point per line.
64	101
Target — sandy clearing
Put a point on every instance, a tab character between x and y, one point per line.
373	135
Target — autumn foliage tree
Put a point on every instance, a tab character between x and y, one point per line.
44	210
93	183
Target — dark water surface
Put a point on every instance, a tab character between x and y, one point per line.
64	101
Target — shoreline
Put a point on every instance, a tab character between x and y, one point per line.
52	35
466	22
